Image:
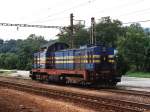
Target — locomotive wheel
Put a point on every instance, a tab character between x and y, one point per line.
83	83
114	83
62	79
111	84
33	76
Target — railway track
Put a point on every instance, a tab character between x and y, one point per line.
128	92
94	102
114	90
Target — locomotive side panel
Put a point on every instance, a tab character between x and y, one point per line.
59	60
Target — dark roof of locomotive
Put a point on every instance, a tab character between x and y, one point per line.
55	46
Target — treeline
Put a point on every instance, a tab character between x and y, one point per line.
18	54
132	43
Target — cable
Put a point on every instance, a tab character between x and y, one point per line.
138	11
123	5
47	20
77	6
43	10
142	21
27	25
61	12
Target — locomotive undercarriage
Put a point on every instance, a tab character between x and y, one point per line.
102	80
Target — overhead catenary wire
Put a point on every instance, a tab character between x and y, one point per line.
41	11
28	25
141	21
131	22
120	6
65	10
134	12
77	6
50	19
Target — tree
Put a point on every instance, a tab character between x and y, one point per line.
1	41
2	58
147	54
18	54
109	31
26	50
8	60
132	46
81	35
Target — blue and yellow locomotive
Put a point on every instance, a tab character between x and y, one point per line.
87	65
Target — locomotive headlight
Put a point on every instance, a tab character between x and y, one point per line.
110	56
111	61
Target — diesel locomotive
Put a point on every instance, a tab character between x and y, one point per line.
90	64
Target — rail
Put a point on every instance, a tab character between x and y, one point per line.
94	102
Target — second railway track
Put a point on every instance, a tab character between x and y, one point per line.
94	102
130	92
114	90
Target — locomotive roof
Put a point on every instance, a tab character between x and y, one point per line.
53	43
54	46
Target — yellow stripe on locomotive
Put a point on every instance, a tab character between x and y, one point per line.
78	59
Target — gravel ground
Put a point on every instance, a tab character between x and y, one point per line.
85	91
16	101
20	73
134	83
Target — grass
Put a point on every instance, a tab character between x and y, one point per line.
138	74
6	72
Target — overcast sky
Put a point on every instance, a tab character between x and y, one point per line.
57	12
